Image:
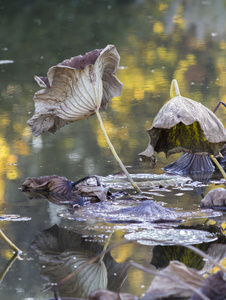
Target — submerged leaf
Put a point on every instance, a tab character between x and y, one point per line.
184	125
75	89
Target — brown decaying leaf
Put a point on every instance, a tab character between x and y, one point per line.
66	189
75	89
108	295
214	287
214	198
185	125
162	287
52	184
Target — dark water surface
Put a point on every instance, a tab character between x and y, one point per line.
157	41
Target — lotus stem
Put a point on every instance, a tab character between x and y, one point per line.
7	240
174	89
116	155
8	266
106	244
218	165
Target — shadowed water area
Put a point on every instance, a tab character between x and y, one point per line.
157	42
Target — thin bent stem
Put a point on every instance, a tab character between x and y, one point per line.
8	266
221	102
218	165
116	155
7	240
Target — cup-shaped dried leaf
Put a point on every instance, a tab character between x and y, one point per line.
51	184
75	89
185	125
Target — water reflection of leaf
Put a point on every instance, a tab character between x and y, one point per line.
162	255
190	163
62	251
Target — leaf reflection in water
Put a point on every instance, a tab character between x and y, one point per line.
61	251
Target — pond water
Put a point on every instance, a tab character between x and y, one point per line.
157	41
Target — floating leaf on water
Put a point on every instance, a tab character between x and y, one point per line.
146	180
75	89
157	236
185	125
148	210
